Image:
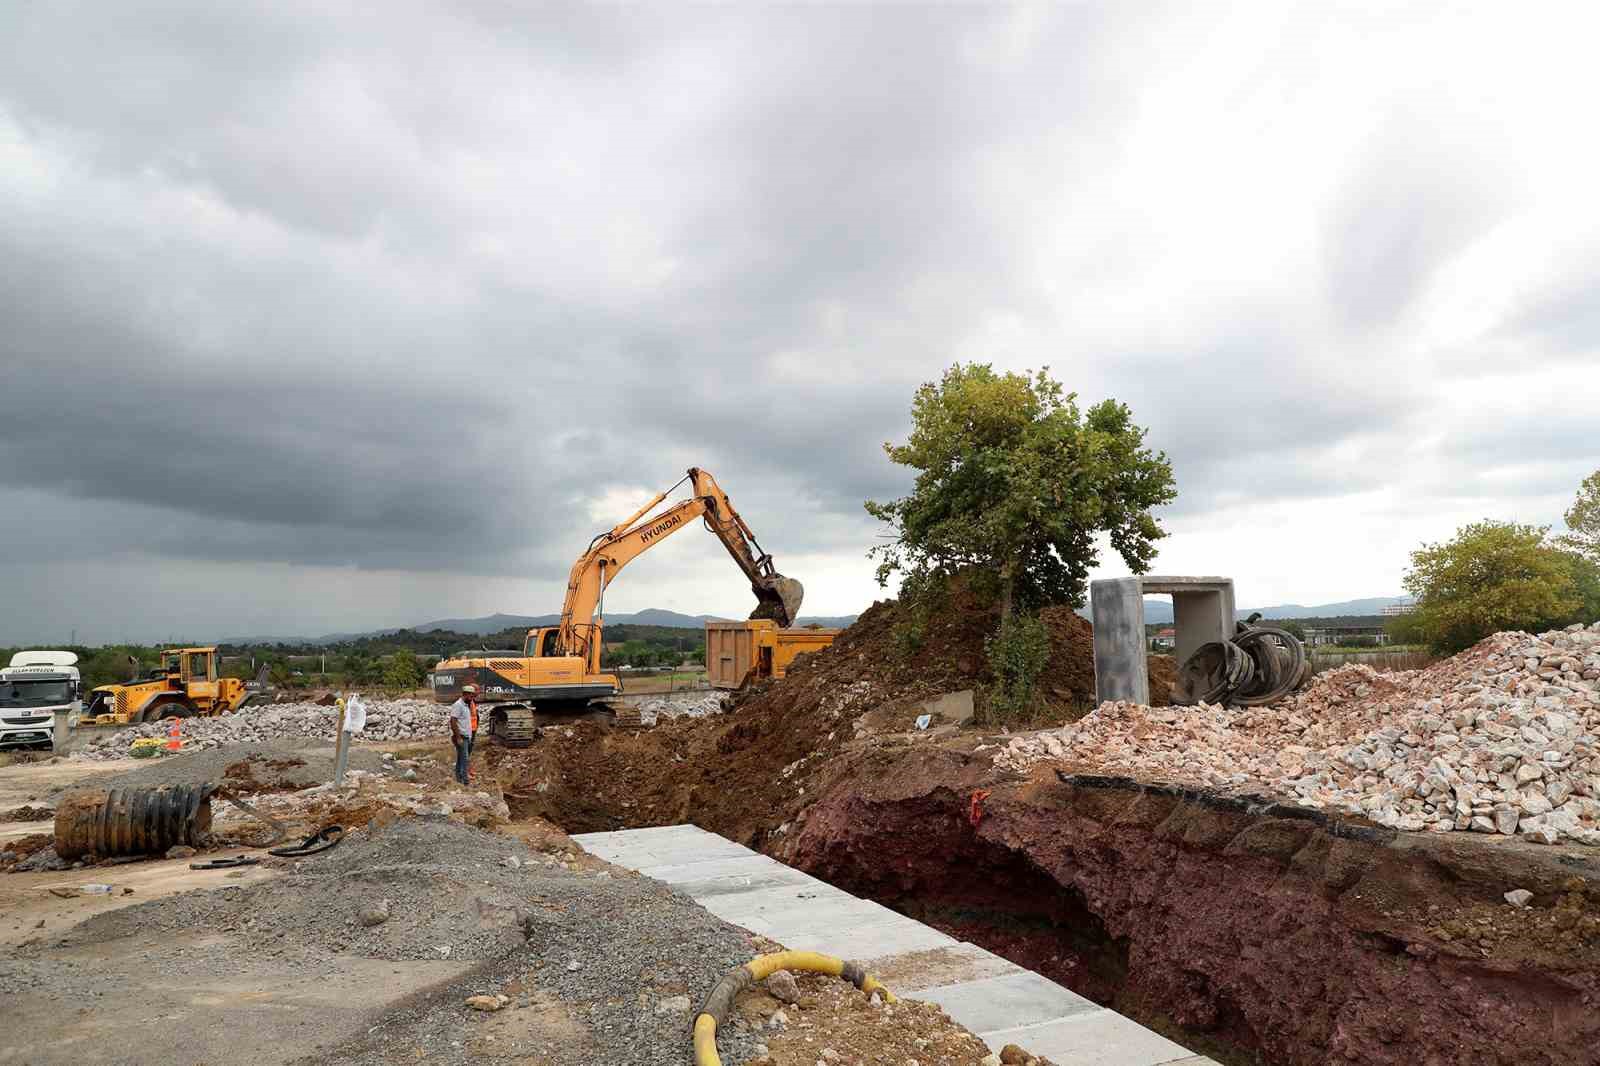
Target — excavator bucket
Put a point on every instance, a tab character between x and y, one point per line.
780	599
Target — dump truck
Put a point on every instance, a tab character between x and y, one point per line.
558	670
184	685
39	694
741	653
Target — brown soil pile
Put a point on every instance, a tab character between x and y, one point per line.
833	1017
744	774
18	848
242	777
27	813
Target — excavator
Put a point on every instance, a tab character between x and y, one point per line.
558	669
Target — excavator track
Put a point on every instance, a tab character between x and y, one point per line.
513	726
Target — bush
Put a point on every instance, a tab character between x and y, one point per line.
1495	576
400	671
1018	654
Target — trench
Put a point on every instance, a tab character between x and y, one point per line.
1252	935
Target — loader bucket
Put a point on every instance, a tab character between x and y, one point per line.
780	599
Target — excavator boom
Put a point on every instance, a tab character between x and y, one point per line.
559	671
778	597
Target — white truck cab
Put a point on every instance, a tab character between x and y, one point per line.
40	698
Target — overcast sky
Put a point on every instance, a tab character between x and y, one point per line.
318	320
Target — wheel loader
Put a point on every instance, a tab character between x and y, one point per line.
558	670
183	686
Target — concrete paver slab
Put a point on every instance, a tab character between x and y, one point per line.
1008	1001
1092	1038
997	999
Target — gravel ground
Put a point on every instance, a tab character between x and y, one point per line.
211	764
623	959
627	958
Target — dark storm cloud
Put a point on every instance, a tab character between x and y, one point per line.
299	285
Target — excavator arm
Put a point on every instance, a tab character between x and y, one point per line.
778	596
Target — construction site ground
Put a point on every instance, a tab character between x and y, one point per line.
1253	919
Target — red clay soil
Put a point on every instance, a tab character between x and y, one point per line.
744	774
1245	935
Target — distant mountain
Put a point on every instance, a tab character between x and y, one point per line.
495	623
1158	609
650	616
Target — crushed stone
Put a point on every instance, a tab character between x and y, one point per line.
387	720
289	764
1499	739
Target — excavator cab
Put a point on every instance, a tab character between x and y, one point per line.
541	643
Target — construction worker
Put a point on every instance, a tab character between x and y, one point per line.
464	728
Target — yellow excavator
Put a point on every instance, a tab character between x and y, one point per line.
559	667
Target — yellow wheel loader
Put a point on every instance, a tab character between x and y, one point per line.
558	670
184	685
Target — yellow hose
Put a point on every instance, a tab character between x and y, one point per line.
759	969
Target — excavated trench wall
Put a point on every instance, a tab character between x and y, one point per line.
1255	934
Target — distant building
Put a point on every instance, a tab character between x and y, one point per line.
1395	610
1164	639
1377	635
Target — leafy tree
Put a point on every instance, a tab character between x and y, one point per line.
1494	576
401	671
1583	520
1016	482
1292	626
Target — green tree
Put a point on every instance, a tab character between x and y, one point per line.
1494	576
401	671
1015	481
1014	484
1583	520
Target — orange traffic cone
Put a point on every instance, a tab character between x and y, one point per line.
174	740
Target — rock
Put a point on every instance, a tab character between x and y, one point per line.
673	1005
511	862
783	987
1012	1055
180	851
1519	897
523	1002
1543	835
1505	821
829	1055
376	914
573	966
487	1003
990	1059
778	1020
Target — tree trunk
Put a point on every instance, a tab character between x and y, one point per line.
1008	584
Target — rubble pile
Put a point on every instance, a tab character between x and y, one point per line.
387	720
681	705
1498	739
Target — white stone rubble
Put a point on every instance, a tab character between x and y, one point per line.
387	720
681	705
1498	739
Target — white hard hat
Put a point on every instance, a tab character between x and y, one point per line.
469	690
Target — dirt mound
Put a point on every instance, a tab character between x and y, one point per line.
18	848
745	774
242	777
